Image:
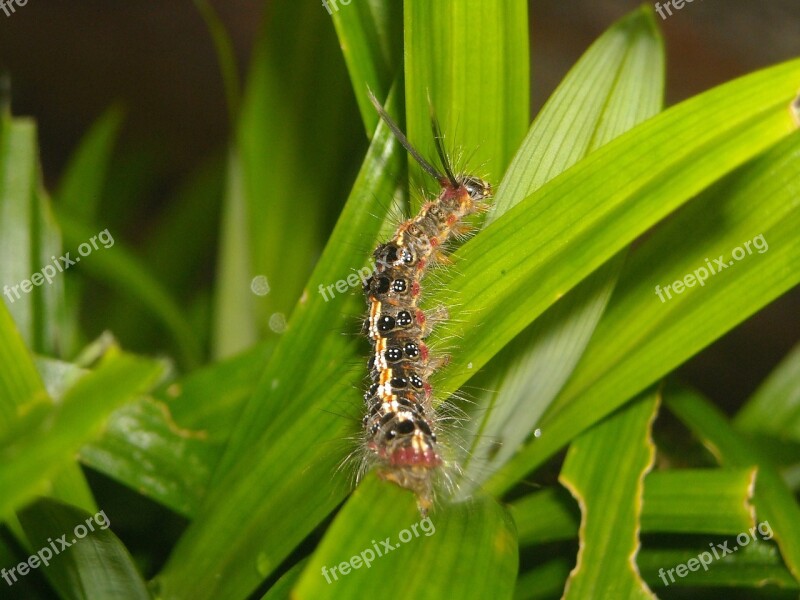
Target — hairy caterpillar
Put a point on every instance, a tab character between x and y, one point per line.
400	423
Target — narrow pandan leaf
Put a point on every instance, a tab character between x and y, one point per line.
296	148
774	502
544	581
641	338
714	501
616	84
95	564
713	562
44	440
110	261
81	187
274	433
79	195
604	471
774	408
18	168
471	60
54	324
226	56
699	501
192	216
32	287
465	550
520	264
371	38
620	82
234	326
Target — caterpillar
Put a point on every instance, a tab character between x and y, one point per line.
400	424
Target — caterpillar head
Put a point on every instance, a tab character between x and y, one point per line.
477	188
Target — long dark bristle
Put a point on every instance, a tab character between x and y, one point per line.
427	167
437	140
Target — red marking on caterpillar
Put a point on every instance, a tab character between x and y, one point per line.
400	425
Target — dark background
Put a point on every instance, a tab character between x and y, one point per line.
70	60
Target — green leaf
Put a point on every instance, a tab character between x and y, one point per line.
145	449
44	439
394	544
683	501
95	564
620	82
17	234
480	91
54	323
616	84
774	408
604	471
544	581
640	338
755	565
235	326
775	504
167	447
699	501
226	56
81	187
371	41
79	195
